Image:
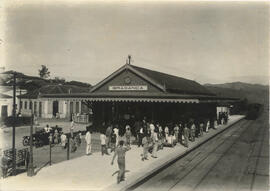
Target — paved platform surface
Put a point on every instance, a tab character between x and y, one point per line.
236	160
95	172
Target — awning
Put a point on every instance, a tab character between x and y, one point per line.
114	99
142	100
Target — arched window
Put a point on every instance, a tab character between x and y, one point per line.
25	105
30	105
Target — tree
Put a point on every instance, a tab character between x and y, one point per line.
44	72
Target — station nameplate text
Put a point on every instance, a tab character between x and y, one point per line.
128	88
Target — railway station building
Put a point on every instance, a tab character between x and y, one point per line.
134	93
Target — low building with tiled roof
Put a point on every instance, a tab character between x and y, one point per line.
40	103
6	100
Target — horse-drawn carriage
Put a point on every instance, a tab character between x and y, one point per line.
41	137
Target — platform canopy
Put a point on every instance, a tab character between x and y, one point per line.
135	84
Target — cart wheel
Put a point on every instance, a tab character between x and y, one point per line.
25	141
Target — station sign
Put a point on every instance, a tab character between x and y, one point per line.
128	88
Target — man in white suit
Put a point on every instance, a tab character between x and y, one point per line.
88	142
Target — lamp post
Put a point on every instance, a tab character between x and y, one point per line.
13	126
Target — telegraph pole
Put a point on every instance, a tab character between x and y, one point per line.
30	170
13	127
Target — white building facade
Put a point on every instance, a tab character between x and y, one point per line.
52	108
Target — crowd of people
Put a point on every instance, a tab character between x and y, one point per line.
151	137
56	136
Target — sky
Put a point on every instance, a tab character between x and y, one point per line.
209	42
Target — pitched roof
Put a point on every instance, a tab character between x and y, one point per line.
54	89
174	84
165	82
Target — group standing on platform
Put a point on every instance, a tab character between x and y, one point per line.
150	135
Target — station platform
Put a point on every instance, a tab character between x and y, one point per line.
95	172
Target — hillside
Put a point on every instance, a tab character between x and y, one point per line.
255	93
31	83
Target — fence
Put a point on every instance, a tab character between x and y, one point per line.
81	118
22	160
55	152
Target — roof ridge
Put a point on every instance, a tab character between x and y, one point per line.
162	73
172	82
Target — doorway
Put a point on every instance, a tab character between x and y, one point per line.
40	109
4	111
55	108
71	109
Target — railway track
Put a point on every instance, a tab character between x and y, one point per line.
201	169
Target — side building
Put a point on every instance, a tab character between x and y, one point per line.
41	106
6	100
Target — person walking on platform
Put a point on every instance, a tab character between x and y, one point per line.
56	136
166	131
145	145
155	143
63	138
72	127
140	135
222	118
160	137
88	142
201	129
78	139
128	135
103	144
73	145
207	126
113	142
137	126
226	117
120	152
116	132
215	124
108	136
176	133
219	118
152	127
180	134
186	135
192	131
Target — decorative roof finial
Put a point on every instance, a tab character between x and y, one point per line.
129	59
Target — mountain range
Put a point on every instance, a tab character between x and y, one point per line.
254	93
